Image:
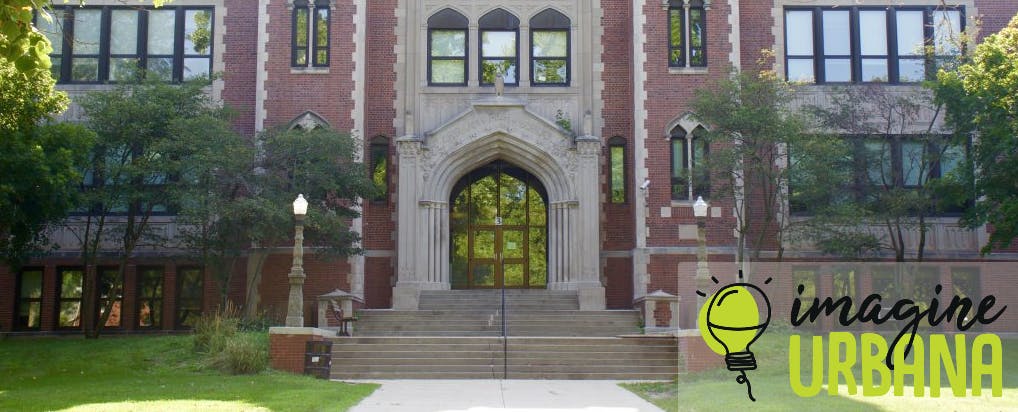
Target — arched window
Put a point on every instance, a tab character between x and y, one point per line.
447	48
617	169
687	26
549	49
690	177
379	155
500	34
308	121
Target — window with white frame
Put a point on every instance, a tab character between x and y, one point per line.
870	44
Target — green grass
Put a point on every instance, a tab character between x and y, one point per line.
152	374
717	389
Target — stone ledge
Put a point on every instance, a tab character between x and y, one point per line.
293	331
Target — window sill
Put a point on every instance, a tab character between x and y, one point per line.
309	70
683	203
687	70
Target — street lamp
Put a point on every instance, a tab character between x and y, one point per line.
700	211
295	306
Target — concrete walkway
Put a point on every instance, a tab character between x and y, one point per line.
502	395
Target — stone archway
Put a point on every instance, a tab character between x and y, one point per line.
500	129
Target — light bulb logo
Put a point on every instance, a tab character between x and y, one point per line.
731	320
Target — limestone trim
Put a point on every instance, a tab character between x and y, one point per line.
261	71
640	172
358	95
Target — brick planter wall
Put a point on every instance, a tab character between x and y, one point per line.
287	346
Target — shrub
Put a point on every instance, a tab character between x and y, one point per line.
242	354
213	330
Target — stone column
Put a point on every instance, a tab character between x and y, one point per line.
432	247
405	293
587	228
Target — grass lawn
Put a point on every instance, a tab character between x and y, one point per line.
717	389
149	373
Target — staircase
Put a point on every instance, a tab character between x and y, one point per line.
458	335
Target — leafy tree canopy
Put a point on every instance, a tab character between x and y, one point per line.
981	98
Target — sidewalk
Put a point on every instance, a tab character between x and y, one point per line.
502	395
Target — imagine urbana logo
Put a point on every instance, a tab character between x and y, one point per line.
736	315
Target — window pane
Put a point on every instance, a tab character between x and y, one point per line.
491	67
874	70
124	32
29	316
160	31
550	71
551	44
910	33
878	163
448	71
380	169
678	157
696	24
70	284
498	44
196	66
912	163
54	29
448	43
838	70
70	314
951	159
836	33
618	173
87	24
872	32
676	35
800	70
946	31
799	32
31	285
161	67
121	69
300	33
198	32
301	56
911	70
85	69
321	26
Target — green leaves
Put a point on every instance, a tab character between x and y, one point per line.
981	98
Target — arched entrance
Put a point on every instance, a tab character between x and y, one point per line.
499	228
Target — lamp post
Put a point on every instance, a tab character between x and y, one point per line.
295	306
702	273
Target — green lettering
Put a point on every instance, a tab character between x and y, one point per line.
837	366
795	367
994	369
915	369
940	354
874	350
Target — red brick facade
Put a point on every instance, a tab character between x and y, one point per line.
630	265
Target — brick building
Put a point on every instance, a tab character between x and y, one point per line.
585	152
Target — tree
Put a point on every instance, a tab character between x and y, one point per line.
39	167
981	99
318	163
900	168
135	173
759	143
